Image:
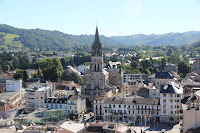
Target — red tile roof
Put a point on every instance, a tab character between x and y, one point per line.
6	107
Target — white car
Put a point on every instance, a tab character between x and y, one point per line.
163	131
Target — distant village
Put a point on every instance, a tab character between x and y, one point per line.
109	100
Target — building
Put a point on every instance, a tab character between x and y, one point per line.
171	67
14	85
98	80
81	68
130	109
41	116
127	77
170	101
70	69
7	111
161	78
36	96
191	113
72	105
12	98
67	88
196	66
99	107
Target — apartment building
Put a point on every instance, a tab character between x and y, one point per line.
161	78
129	109
35	97
170	101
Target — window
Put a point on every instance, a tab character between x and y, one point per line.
164	101
171	95
119	106
124	111
142	112
74	107
164	95
41	106
164	111
171	107
171	101
60	105
171	112
70	107
109	106
113	106
41	97
124	106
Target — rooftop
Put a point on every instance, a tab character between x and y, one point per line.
7	95
163	75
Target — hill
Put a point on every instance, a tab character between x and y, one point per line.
38	39
16	38
160	39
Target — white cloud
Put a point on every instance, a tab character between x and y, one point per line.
132	8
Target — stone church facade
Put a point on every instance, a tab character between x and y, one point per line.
98	80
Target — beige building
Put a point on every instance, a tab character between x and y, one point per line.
98	80
191	113
13	98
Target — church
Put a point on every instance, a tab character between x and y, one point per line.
97	79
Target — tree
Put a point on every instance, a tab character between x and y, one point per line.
169	52
51	69
72	77
134	64
184	68
15	62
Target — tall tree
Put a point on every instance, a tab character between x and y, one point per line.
51	69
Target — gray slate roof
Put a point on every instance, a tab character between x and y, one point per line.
163	75
131	101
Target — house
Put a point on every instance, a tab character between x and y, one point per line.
170	101
70	69
171	67
7	111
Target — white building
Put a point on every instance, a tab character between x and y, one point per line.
161	78
73	104
14	85
81	68
127	77
99	107
170	101
36	96
129	109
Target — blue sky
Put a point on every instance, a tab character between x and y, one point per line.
114	17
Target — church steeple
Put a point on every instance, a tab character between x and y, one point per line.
96	39
97	46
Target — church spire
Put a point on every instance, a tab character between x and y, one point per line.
96	39
96	46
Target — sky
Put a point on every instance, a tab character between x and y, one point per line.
113	17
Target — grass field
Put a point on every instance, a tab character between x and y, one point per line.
10	43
